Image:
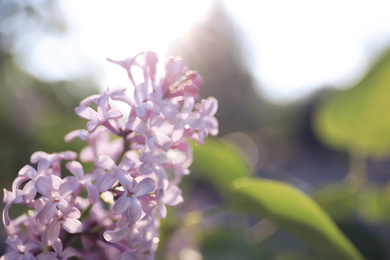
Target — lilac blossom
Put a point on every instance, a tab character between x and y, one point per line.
59	252
114	209
128	202
103	114
20	250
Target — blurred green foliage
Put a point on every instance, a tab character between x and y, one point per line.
219	164
294	211
357	119
282	203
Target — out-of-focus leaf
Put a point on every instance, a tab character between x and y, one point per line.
338	200
219	163
374	203
228	246
294	211
358	118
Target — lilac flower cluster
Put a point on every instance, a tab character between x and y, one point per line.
113	211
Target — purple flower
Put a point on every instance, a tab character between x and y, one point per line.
20	250
59	252
55	190
171	196
128	203
85	180
152	136
51	233
181	120
103	114
110	176
130	232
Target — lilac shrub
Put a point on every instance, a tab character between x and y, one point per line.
114	210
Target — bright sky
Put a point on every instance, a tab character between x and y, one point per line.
294	47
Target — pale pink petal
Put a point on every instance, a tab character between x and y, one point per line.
57	246
56	181
151	61
211	106
127	162
188	104
93	194
120	95
163	141
37	156
178	132
171	195
34	244
69	185
43	165
102	105
140	111
88	100
115	236
40	203
105	162
44	186
121	204
15	242
113	114
126	256
144	187
140	93
50	235
86	112
29	256
159	193
72	225
68	209
170	112
68	155
47	256
70	252
152	107
76	169
147	152
72	135
92	125
145	168
138	126
29	192
8	196
6	219
105	182
134	211
47	212
134	238
19	180
162	211
28	171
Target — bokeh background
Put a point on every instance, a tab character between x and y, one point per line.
303	92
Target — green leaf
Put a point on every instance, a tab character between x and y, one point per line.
358	118
222	245
219	163
374	202
339	200
294	211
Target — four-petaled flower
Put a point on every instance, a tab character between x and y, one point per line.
103	114
55	190
128	203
